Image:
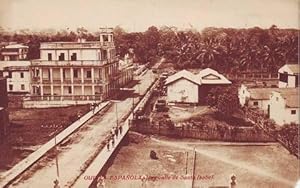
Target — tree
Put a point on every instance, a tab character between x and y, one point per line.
224	100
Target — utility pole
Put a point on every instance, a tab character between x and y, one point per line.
194	166
117	115
186	162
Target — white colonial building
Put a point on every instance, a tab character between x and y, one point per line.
289	76
77	71
186	87
14	52
284	106
15	68
18	76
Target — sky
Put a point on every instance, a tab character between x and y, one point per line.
138	15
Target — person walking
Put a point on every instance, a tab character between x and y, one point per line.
107	145
116	131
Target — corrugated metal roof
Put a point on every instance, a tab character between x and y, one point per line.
183	74
215	77
294	68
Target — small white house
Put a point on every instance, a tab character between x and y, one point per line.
182	87
186	87
17	74
255	97
284	107
289	76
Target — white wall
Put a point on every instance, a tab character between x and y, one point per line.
279	112
16	81
82	54
291	78
182	90
243	95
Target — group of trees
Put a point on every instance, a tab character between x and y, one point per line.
225	49
224	100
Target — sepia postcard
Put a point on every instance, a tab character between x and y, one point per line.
149	93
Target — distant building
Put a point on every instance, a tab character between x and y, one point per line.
284	106
14	52
289	76
4	121
76	71
186	87
258	98
15	68
17	74
126	69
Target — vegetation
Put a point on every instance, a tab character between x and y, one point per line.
224	100
224	49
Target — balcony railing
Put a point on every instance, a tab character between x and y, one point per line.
69	63
97	97
75	45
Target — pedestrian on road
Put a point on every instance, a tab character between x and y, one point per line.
116	132
107	145
56	183
113	142
120	128
112	132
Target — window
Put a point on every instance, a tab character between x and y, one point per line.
283	77
64	73
89	74
105	38
255	103
104	54
73	57
10	87
293	111
70	90
277	98
75	73
49	57
22	87
49	74
61	57
9	74
21	74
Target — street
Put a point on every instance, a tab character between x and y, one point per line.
78	151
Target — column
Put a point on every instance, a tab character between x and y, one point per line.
41	74
61	92
72	81
82	75
42	90
93	74
61	75
51	75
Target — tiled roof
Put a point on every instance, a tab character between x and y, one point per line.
292	101
265	93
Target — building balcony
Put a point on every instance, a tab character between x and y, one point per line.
76	45
83	63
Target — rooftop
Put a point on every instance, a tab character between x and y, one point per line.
76	45
265	93
294	68
14	64
15	46
183	74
